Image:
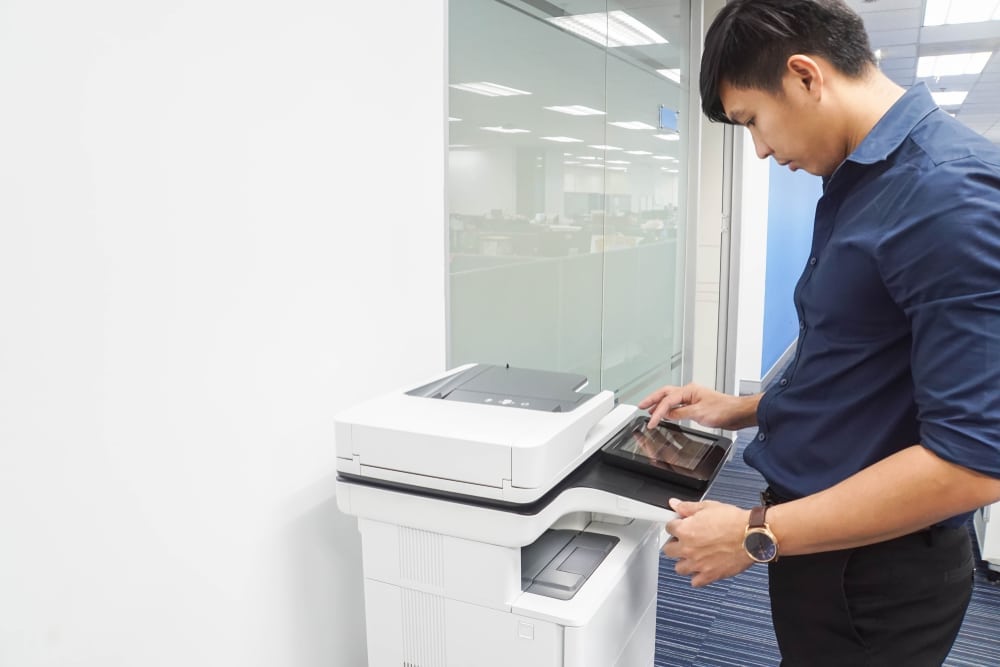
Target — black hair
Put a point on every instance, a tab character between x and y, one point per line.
750	41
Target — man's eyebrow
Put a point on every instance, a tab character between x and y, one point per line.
737	116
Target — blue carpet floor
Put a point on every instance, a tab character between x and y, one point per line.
729	623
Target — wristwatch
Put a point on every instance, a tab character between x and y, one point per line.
758	540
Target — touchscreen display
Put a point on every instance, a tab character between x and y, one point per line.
674	448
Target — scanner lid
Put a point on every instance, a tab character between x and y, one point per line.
481	430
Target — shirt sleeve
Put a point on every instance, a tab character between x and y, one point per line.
941	263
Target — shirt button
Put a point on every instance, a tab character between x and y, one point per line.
761	437
812	261
783	382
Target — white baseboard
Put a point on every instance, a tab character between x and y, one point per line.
748	387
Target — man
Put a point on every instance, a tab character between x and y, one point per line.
883	434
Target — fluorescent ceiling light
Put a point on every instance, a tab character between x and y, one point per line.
669	170
638	152
452	119
941	12
567	155
664	157
571	162
564	140
668	137
577	110
949	98
488	89
595	166
612	29
504	130
459	145
617	168
672	74
953	64
633	125
602	147
589	157
617	162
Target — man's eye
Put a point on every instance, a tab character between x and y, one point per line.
750	123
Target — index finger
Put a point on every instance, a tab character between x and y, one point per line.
667	404
656	396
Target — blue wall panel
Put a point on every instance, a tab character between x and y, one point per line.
792	198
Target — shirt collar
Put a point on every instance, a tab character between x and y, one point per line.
897	123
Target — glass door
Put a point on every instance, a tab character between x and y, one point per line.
567	170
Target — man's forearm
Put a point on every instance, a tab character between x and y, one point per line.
746	415
906	492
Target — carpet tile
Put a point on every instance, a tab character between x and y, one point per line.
728	623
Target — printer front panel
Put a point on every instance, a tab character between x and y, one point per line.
542	461
483	574
433	457
406	627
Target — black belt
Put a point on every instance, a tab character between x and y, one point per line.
768	498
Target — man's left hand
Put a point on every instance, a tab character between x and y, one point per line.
707	540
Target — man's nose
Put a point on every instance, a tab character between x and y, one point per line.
763	150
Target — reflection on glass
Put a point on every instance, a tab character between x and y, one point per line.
566	209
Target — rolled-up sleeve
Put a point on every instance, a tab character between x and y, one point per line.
941	263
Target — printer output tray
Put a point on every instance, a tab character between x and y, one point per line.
594	473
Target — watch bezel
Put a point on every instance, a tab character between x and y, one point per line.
765	532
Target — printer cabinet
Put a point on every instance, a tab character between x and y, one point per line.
434	600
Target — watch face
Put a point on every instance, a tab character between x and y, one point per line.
760	546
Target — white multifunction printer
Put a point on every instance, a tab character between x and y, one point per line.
510	519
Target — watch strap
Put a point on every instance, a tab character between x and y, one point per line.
757	515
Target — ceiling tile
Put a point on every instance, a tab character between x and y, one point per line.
886	38
977	118
982	93
899	63
961	33
980	108
868	6
897	20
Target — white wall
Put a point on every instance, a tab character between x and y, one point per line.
214	233
750	207
707	208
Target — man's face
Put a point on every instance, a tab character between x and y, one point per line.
786	126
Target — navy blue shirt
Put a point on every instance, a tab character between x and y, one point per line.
899	310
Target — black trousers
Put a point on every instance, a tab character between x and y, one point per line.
898	603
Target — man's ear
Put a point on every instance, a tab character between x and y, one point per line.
806	72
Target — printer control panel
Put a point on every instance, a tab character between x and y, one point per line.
504	386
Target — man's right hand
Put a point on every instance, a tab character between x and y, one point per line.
706	406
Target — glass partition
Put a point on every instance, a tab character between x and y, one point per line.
566	182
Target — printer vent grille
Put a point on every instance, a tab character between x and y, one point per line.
421	557
423	629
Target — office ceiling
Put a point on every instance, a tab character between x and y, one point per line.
895	28
511	42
